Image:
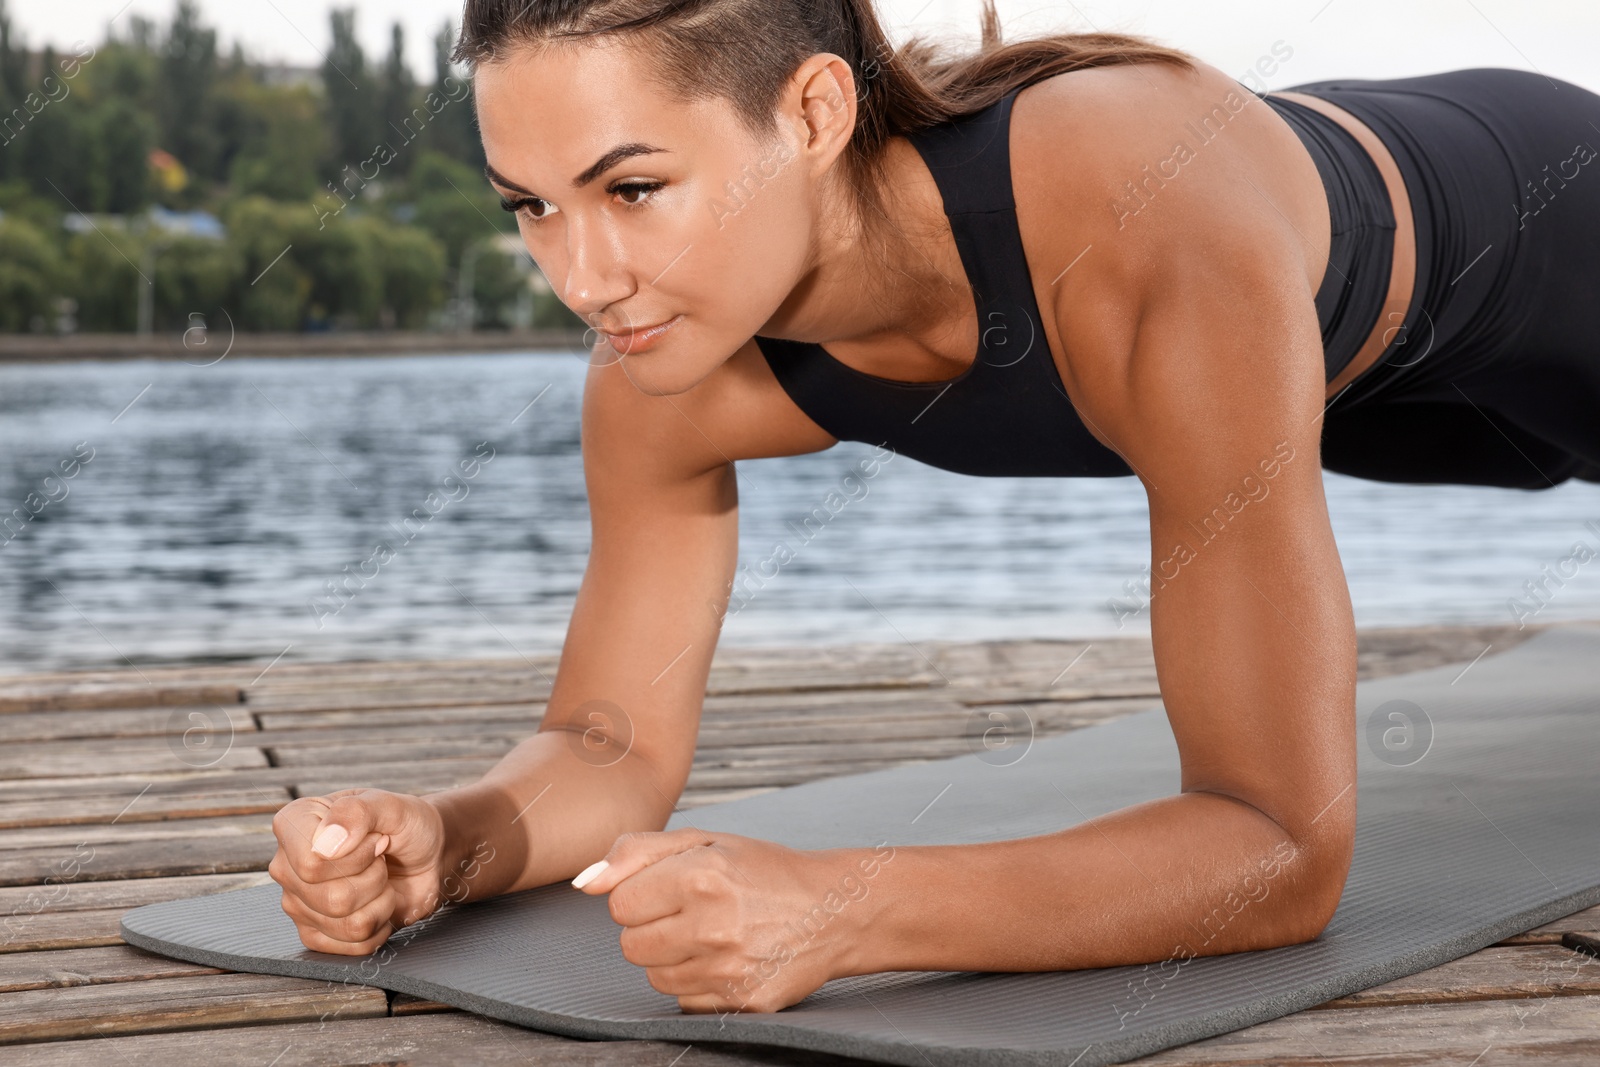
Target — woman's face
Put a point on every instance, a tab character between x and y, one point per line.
641	208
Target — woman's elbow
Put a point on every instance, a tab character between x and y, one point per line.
1327	857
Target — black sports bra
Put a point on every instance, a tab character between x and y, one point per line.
1008	413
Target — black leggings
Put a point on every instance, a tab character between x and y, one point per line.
1493	377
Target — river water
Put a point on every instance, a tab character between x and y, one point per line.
194	514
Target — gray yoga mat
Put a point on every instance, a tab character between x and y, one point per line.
1478	818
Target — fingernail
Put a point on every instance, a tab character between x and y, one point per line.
588	874
328	839
383	844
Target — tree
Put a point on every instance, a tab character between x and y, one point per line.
351	95
399	96
454	131
13	88
413	270
30	271
455	204
125	136
274	290
194	276
284	139
498	281
185	103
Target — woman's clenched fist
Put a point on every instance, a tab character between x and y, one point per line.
357	865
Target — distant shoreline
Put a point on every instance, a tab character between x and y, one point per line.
46	348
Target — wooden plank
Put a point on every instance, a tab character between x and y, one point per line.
844	750
60	929
427	778
266	777
415	778
919	676
50	759
115	893
1493	973
129	693
1586	921
65	838
179	1004
63	725
448	727
530	713
72	811
357	673
420	694
143	789
447	1039
1400	650
90	966
406	1004
296	747
398	750
781	774
1018	720
752	708
222	854
1524	1032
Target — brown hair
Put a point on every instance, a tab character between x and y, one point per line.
745	50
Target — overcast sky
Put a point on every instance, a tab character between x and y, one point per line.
1327	38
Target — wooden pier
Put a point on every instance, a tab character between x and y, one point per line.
121	788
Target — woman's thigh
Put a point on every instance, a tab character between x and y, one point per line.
1545	376
1444	443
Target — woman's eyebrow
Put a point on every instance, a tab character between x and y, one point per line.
597	168
500	179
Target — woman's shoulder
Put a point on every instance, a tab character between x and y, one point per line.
1117	138
1127	175
738	411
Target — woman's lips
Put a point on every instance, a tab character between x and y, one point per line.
631	341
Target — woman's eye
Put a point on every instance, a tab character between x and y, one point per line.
516	206
641	189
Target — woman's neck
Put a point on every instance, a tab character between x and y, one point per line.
892	299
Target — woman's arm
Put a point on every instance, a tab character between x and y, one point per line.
617	739
1217	405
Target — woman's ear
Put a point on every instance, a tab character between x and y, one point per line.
822	93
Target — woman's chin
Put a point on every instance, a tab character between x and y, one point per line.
659	374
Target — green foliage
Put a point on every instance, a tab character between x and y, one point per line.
185	101
281	139
351	93
497	285
191	276
349	197
455	204
103	277
413	273
29	269
124	136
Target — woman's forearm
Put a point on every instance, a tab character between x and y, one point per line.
1195	874
542	814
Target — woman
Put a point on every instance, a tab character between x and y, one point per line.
788	233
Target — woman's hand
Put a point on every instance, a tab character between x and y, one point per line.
357	865
730	923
